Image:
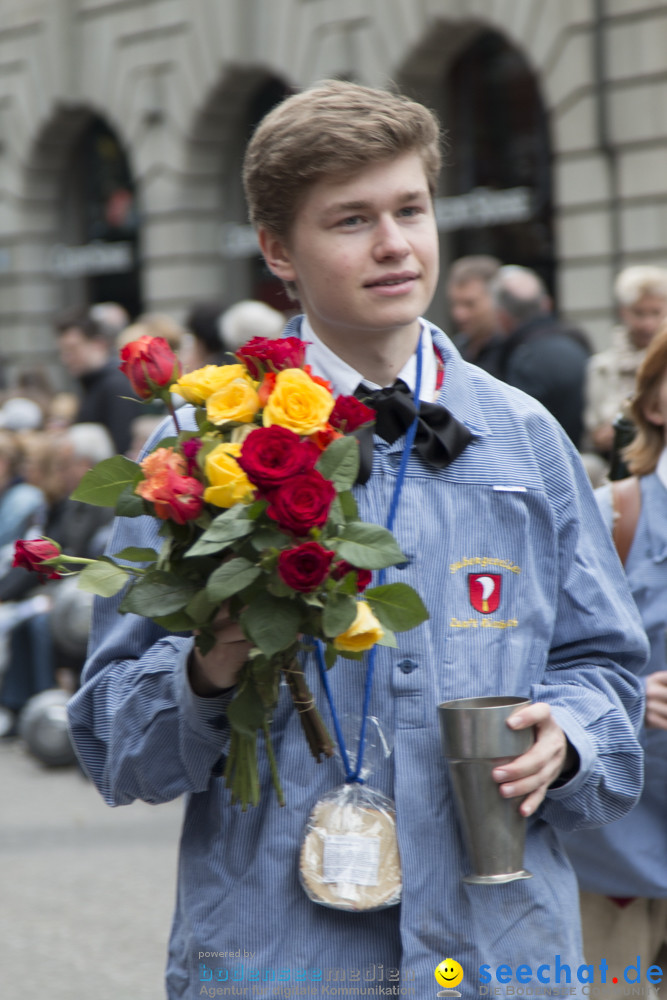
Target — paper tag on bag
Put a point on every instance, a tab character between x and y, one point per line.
352	859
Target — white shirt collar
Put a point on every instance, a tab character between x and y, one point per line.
345	379
661	468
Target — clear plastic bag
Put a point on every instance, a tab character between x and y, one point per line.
349	857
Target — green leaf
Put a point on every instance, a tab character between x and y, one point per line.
388	639
102	578
134	554
367	546
230	578
180	621
340	463
130	504
218	536
201	607
266	678
279	588
103	485
348	506
245	711
336	518
347	655
272	623
397	606
158	594
339	613
267	538
330	655
254	510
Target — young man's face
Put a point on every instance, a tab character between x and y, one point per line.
363	252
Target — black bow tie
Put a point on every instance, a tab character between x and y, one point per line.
440	437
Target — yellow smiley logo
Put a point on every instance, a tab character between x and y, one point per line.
448	973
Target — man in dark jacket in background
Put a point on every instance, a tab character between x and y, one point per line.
541	355
88	354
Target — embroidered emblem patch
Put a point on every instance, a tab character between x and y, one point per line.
484	591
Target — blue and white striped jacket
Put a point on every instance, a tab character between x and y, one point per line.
517	506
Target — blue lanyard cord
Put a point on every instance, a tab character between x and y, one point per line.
354	775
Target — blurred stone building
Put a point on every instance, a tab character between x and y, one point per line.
123	125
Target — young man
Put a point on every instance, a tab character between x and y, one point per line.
340	181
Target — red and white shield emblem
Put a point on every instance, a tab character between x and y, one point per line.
484	590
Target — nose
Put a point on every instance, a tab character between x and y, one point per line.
390	239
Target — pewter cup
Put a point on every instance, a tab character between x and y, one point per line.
475	740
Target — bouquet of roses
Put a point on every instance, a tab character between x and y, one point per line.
257	512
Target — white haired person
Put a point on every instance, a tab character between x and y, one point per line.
249	318
641	297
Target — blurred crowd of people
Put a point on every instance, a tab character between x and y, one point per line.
504	322
49	438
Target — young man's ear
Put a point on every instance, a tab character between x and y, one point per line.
276	255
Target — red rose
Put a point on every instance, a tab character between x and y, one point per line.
305	567
262	354
174	497
302	503
342	568
150	365
271	455
349	413
31	555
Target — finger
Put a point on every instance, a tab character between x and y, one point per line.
656	716
231	632
532	802
530	715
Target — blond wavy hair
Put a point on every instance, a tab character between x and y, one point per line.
642	454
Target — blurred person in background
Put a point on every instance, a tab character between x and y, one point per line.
641	298
622	867
249	318
89	356
79	529
142	429
111	319
61	411
217	331
473	311
153	325
203	344
20	502
540	354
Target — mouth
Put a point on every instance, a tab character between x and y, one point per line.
396	281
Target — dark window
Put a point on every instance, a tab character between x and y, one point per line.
499	139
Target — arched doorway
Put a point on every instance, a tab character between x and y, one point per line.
98	258
498	179
265	286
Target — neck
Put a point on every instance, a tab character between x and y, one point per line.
379	359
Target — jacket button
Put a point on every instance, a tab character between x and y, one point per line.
407	666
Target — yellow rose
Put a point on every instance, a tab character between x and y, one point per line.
363	633
229	484
236	401
298	403
197	386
